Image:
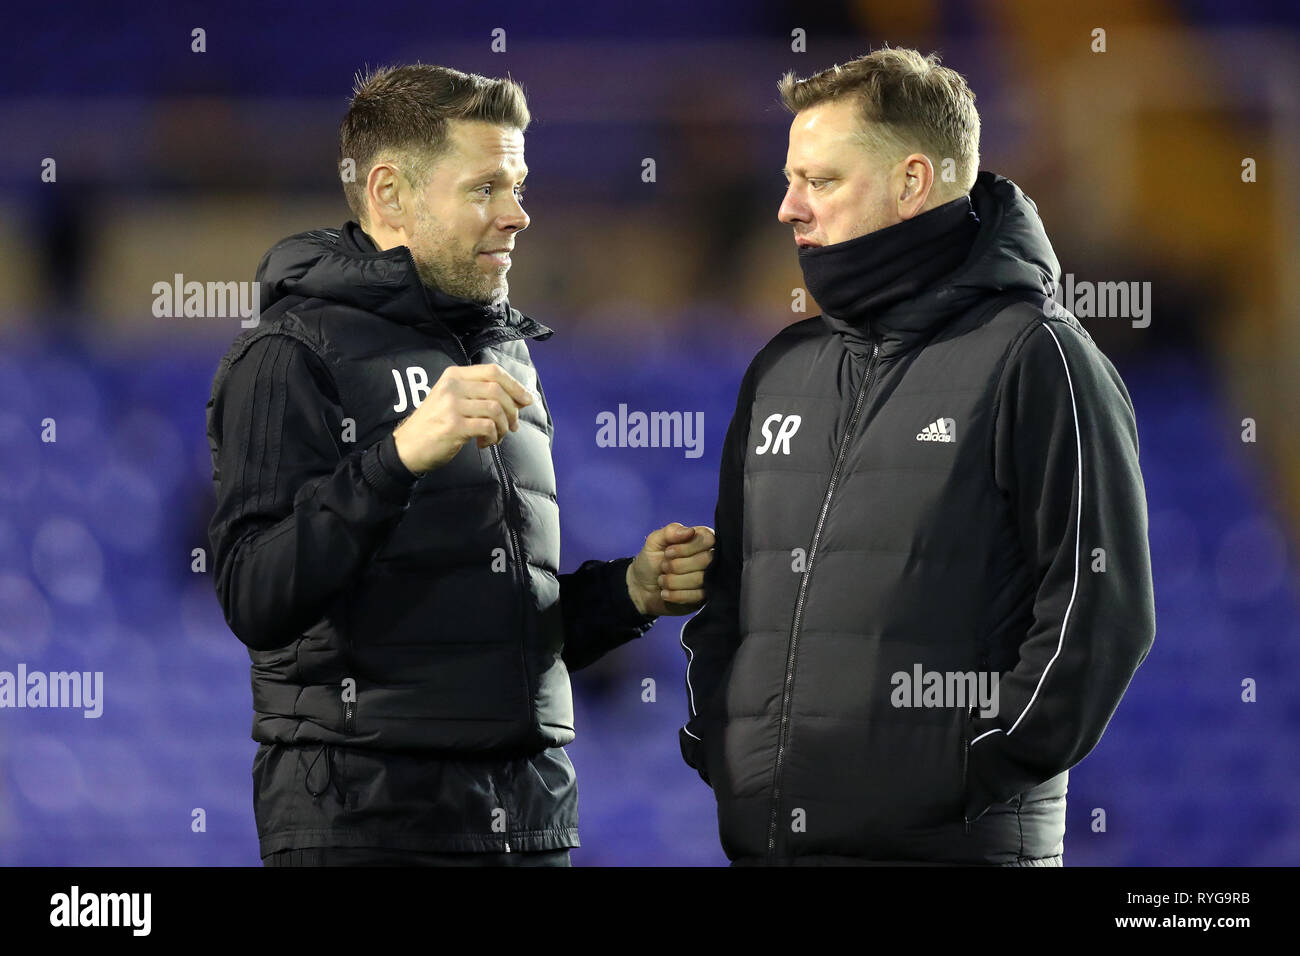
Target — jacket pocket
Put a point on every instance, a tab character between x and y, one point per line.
693	748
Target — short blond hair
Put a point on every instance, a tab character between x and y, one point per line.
908	102
405	111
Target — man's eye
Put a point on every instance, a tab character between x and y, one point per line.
817	183
519	191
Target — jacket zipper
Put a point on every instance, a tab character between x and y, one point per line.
966	738
965	759
516	551
788	688
518	555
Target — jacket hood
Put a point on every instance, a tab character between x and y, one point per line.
1010	253
345	266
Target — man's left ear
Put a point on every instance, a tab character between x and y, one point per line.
918	180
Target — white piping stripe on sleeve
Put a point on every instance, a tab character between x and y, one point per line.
690	691
1078	531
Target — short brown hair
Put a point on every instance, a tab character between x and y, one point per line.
402	112
909	103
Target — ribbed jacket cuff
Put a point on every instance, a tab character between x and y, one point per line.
382	467
620	605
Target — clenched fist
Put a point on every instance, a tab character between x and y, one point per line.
667	577
468	401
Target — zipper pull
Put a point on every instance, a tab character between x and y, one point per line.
507	846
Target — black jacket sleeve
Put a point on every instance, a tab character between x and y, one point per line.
598	612
1066	457
711	637
299	512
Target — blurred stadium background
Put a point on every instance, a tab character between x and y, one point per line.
171	161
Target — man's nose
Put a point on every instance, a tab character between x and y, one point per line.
516	220
793	209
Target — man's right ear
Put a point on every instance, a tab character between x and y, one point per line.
383	186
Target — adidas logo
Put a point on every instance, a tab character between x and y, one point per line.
941	429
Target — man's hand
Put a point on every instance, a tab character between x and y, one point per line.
468	401
667	577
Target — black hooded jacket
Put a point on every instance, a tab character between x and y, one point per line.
933	484
411	637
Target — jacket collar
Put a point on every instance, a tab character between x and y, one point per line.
1007	252
344	265
860	283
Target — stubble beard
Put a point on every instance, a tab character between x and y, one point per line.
442	263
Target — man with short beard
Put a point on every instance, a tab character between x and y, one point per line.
386	537
928	492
